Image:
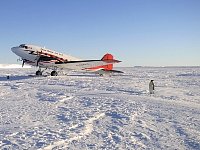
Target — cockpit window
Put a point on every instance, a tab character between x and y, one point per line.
23	46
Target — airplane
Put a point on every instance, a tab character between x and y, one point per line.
49	59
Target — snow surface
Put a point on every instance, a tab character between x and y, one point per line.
85	111
14	66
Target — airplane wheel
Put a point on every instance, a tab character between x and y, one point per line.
38	73
54	73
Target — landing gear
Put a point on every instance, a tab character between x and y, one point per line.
54	73
38	73
101	75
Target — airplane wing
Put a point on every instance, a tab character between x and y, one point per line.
85	64
103	65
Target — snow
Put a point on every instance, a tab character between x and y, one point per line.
85	111
13	66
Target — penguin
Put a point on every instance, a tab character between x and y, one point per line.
151	87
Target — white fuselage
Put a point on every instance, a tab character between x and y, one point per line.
46	58
31	53
24	53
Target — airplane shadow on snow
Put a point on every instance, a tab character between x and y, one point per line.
14	78
82	75
23	77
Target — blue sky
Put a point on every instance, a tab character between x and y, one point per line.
138	32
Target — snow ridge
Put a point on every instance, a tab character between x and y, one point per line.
88	130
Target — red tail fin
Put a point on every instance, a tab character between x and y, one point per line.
108	57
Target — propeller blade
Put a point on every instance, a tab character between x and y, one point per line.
23	63
38	61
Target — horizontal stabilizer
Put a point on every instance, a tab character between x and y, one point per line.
113	71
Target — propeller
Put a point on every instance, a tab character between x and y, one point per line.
23	63
39	59
19	59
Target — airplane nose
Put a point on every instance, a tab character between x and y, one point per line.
14	49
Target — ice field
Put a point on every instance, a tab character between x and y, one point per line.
86	111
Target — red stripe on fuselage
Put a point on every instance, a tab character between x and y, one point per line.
53	56
105	67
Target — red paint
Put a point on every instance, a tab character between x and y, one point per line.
106	58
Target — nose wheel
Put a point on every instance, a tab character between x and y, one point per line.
38	73
54	73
